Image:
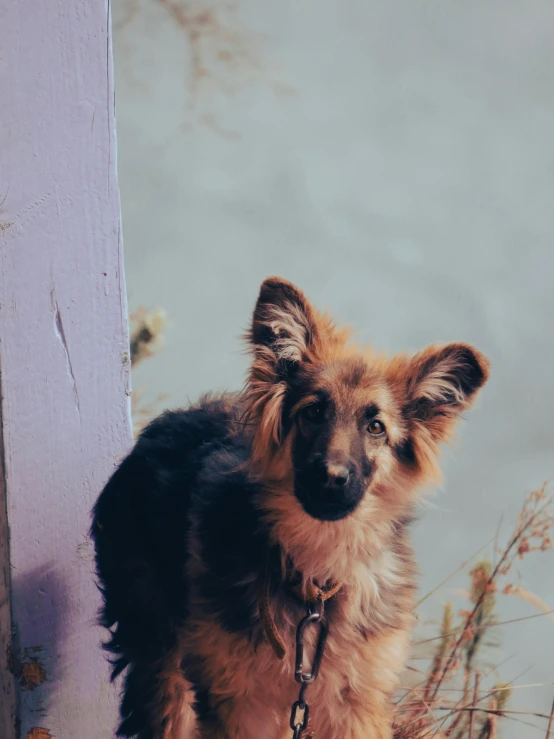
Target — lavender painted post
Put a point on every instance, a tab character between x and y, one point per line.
64	362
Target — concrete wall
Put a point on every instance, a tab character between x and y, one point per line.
397	161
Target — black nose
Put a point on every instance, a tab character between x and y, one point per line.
337	474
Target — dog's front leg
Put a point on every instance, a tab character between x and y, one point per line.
370	719
247	718
375	725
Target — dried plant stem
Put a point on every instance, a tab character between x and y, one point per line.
491	711
474	705
432	714
452	574
526	525
493	722
490	626
550	723
467	709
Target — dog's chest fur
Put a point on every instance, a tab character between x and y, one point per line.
369	618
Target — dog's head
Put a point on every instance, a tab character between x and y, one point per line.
341	423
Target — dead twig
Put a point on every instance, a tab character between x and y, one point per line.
429	708
474	704
550	723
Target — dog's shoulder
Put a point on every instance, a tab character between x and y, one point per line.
166	458
175	433
229	537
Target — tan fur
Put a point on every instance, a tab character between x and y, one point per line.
367	551
351	696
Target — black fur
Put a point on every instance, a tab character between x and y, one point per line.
232	538
187	470
183	468
318	494
405	452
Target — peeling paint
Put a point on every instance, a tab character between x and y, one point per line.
33	673
39	733
85	550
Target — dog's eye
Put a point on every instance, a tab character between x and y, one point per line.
376	428
315	413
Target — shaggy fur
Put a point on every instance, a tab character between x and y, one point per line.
313	469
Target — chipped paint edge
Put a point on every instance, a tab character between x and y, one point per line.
8	695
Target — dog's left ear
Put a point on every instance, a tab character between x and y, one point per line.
284	323
442	382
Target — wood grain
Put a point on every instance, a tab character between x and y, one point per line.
63	355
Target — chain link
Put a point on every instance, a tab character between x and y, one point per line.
314	617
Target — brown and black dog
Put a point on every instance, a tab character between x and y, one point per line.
225	516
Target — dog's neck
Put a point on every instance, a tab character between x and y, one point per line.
327	551
367	553
304	589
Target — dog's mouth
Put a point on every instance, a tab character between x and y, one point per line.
327	504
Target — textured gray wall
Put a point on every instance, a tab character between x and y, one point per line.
396	160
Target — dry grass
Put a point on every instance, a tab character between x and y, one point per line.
452	696
146	334
448	690
146	340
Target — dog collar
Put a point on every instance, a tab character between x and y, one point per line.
312	592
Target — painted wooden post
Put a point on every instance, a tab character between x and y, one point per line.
64	361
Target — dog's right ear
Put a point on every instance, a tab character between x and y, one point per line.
282	335
284	323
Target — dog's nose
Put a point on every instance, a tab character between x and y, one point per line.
337	474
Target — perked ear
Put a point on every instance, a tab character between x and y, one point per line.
284	322
283	331
442	382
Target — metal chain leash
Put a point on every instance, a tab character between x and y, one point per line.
300	710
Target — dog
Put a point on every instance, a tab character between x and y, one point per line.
233	520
